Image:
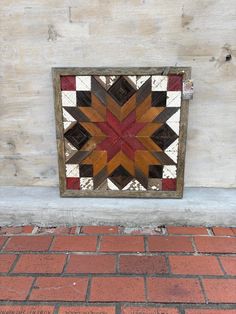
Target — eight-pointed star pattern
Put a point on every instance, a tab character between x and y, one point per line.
121	132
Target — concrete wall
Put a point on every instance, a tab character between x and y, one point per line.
40	34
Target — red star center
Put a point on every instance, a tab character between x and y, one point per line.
121	136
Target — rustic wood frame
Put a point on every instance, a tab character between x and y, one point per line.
57	72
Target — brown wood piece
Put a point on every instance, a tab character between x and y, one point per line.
57	72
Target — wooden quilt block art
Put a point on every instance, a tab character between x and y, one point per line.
121	132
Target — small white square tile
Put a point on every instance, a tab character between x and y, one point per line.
141	80
68	98
83	83
68	125
111	185
175	117
169	172
86	183
67	117
172	150
173	99
72	171
174	126
133	79
159	83
134	185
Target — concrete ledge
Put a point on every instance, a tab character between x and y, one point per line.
43	206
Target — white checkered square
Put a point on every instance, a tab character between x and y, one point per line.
68	98
173	99
159	83
83	83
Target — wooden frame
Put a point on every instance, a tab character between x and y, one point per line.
64	192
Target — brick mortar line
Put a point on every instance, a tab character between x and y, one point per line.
117	261
194	246
56	308
51	244
31	289
203	290
66	264
162	253
5	243
118	308
181	309
14	264
145	242
221	266
168	265
118	275
88	290
98	244
217	306
145	288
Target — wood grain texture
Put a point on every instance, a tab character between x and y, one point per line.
41	34
102	167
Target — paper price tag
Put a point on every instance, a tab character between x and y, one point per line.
188	89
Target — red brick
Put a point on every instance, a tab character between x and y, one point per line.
100	229
10	230
234	230
6	261
169	244
215	244
2	241
15	288
40	263
221	231
187	230
195	265
209	311
112	289
59	289
28	243
229	264
87	310
91	264
169	290
27	229
142	264
75	243
148	310
74	230
220	290
26	309
122	244
16	230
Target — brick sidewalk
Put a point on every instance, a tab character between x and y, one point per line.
108	270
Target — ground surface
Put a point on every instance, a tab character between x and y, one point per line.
108	270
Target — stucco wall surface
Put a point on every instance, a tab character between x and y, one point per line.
40	34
